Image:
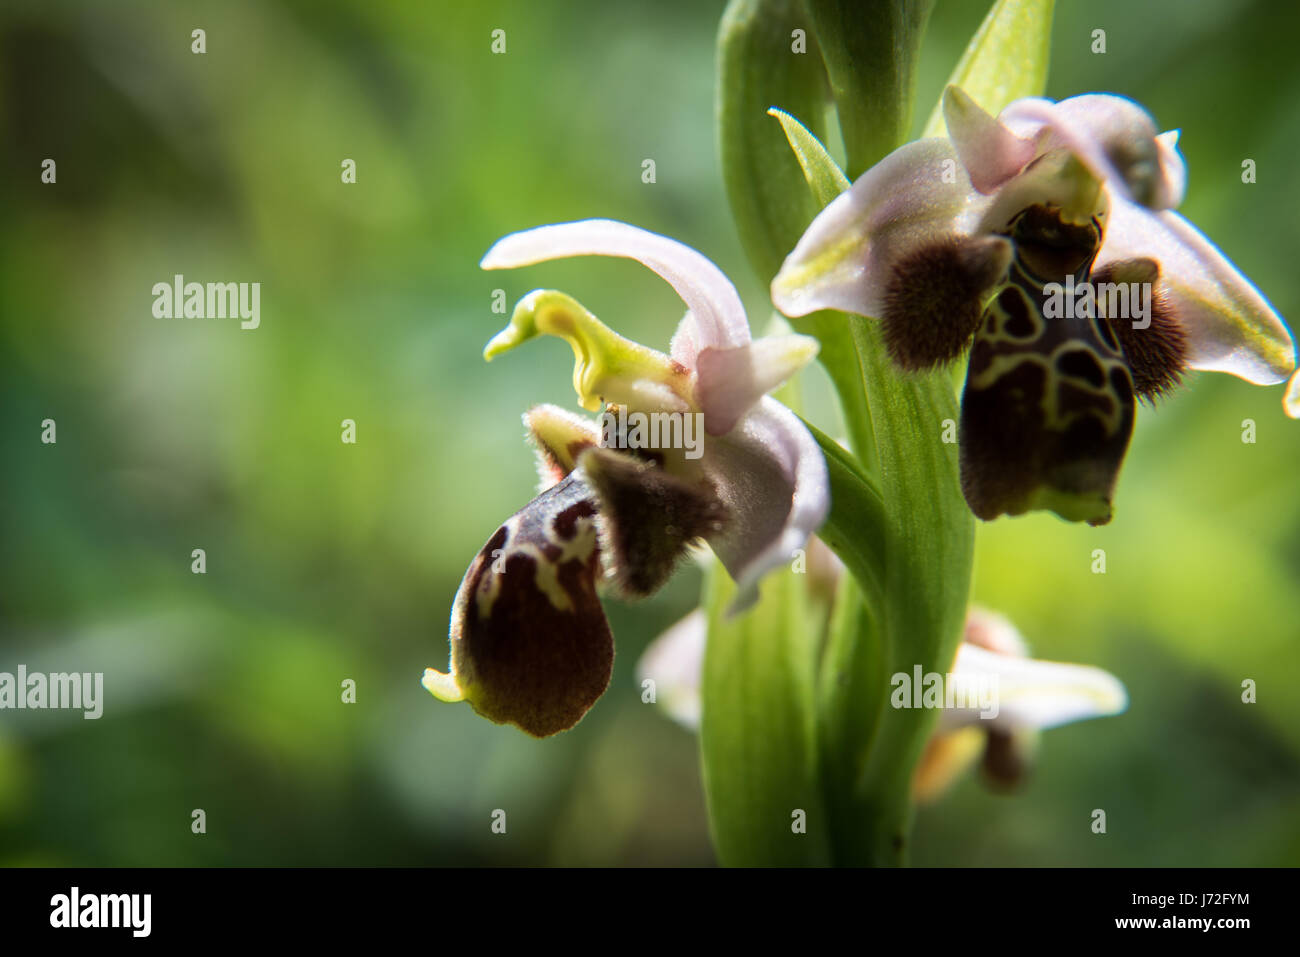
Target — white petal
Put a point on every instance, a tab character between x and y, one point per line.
730	381
1013	693
770	473
1291	403
675	662
684	346
1230	326
1112	136
917	194
993	632
991	153
707	292
1055	179
1173	170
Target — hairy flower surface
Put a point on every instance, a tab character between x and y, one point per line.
1044	242
623	499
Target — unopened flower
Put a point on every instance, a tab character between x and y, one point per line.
1044	242
530	644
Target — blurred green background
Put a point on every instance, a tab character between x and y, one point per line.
328	561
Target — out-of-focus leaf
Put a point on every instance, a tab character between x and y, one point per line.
854	529
870	48
758	68
849	702
758	724
758	727
1005	60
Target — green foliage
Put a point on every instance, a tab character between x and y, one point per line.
328	561
870	48
1006	59
758	67
898	517
758	736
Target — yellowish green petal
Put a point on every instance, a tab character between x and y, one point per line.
444	687
607	367
559	437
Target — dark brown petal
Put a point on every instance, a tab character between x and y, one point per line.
1050	249
648	517
1005	763
1046	420
1157	354
935	298
529	642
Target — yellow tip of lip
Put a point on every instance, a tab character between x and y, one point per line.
505	340
1093	509
442	686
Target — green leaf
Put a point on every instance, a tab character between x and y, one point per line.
1005	60
758	68
759	740
839	353
870	48
855	527
758	731
822	173
852	671
842	361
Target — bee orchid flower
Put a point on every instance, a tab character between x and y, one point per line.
1043	241
1002	698
688	447
1031	695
